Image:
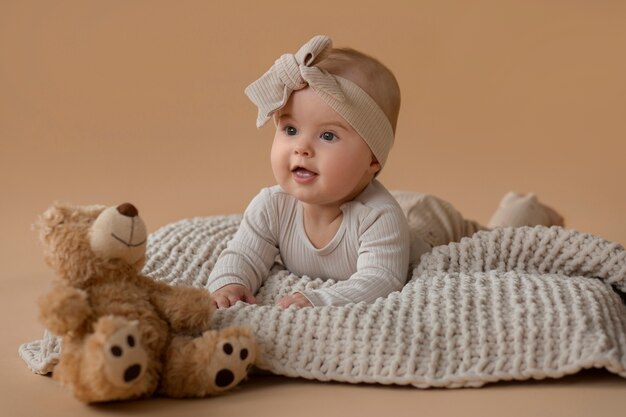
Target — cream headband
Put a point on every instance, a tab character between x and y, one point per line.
294	72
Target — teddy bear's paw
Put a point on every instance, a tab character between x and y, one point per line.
234	354
125	360
210	364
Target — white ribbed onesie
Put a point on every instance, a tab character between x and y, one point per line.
368	256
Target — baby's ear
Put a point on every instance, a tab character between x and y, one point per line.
375	166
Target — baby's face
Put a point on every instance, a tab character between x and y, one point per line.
317	156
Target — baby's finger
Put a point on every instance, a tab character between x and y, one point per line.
233	298
222	302
249	298
300	300
284	302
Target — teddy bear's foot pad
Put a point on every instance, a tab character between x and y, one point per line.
235	355
125	360
232	359
209	364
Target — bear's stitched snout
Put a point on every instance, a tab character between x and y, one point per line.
119	233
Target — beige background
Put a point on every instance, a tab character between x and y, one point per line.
142	101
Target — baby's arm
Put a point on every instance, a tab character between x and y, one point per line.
382	264
248	257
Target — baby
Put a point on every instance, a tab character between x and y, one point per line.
335	112
328	217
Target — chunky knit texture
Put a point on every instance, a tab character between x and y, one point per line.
530	302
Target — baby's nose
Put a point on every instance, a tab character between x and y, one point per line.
303	150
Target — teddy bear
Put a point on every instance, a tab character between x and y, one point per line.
125	335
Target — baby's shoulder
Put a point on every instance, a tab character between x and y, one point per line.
374	203
377	197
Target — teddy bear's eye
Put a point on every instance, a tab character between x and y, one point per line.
116	351
131	341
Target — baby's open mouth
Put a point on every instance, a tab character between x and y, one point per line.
303	172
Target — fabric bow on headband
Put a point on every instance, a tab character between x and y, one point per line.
292	72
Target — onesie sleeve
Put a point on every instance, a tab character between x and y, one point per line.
382	264
250	254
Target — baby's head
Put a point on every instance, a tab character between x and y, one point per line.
368	73
336	112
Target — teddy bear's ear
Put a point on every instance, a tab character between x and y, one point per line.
59	213
53	216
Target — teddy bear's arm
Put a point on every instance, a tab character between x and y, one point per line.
185	308
64	309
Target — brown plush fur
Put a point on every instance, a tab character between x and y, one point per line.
124	334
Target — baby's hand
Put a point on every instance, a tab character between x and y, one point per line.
296	299
229	294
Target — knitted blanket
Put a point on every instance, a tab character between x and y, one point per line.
521	303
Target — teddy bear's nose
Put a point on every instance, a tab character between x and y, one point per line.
127	210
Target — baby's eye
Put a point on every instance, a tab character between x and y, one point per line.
291	131
328	136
